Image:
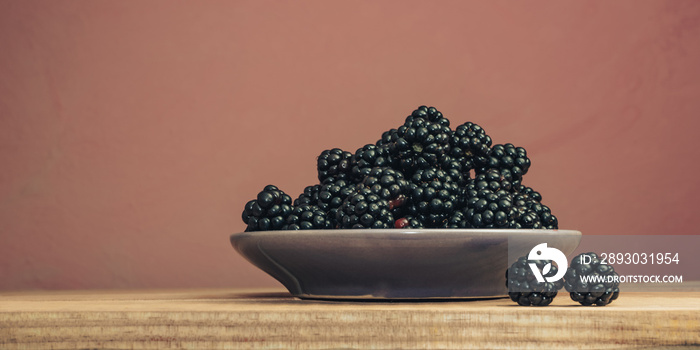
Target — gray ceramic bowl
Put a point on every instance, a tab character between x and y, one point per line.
395	263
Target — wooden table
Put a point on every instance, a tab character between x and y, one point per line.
273	319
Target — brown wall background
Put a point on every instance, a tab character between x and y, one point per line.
132	133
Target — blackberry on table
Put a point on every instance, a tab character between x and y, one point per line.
364	209
307	217
523	287
419	144
334	164
434	197
470	145
605	286
269	211
510	160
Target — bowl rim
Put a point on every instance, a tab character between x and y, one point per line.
412	232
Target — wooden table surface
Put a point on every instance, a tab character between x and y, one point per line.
230	318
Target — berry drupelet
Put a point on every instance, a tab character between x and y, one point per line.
602	286
523	287
269	211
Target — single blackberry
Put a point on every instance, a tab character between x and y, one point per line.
307	217
453	167
591	282
269	211
364	209
523	287
386	137
309	196
510	160
368	157
333	164
434	197
488	209
458	220
419	144
430	114
470	145
530	212
491	179
331	196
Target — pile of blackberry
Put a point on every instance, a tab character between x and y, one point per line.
421	174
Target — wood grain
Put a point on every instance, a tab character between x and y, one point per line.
222	319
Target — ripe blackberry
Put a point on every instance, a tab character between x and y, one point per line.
523	287
488	209
309	196
491	179
530	212
269	211
331	197
307	217
368	157
419	144
470	145
453	167
430	114
434	197
386	137
510	160
364	209
602	286
333	164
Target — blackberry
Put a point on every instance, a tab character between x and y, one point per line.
364	209
491	179
523	287
530	212
331	197
601	292
368	157
309	196
386	137
453	167
419	144
430	114
269	211
333	164
470	145
488	209
434	197
307	217
510	160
